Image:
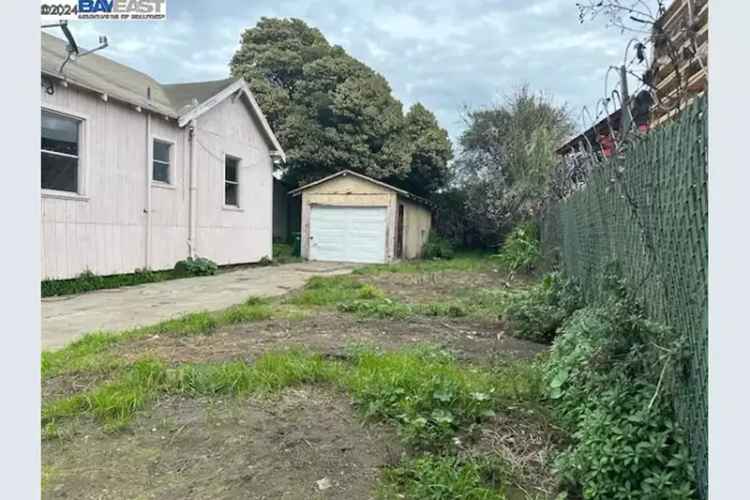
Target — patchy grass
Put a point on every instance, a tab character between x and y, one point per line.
345	293
446	478
48	475
424	391
466	427
86	354
89	353
465	261
331	290
432	398
271	373
480	303
351	294
114	403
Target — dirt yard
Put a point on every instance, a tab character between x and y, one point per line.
303	442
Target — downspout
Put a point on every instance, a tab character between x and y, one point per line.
149	173
192	201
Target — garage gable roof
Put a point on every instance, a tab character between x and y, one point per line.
405	194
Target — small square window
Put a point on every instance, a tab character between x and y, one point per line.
60	151
162	158
231	181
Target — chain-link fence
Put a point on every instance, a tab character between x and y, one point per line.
648	210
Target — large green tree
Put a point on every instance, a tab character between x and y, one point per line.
432	151
332	112
508	152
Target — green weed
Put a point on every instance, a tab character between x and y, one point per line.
245	313
83	355
438	248
427	394
538	312
283	253
446	478
114	403
198	323
331	290
272	372
521	251
385	308
88	354
613	376
466	261
88	281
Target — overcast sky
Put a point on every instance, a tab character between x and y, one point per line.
443	53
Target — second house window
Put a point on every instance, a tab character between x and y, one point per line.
231	181
162	161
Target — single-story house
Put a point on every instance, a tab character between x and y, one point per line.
138	175
350	217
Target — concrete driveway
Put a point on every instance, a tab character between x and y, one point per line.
67	318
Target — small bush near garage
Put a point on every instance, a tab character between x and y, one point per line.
437	247
537	313
283	253
612	375
199	266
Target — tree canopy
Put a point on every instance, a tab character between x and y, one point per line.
507	155
332	112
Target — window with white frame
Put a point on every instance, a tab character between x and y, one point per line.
61	147
231	181
162	162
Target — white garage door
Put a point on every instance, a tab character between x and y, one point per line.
347	234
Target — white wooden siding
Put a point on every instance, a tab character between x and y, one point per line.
227	234
105	230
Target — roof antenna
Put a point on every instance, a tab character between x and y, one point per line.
72	47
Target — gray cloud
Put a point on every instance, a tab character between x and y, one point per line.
442	53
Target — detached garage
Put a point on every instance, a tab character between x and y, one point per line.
349	217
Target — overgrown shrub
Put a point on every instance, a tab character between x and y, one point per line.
537	313
521	250
283	253
437	247
199	266
612	374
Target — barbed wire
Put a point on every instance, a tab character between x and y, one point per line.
584	156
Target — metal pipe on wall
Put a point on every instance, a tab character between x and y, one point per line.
149	173
192	201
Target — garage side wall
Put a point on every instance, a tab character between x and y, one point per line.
349	191
417	224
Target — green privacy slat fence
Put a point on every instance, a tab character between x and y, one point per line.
649	212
